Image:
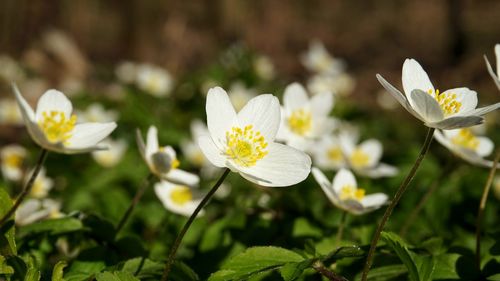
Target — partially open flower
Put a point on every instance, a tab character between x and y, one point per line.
495	76
346	195
451	109
180	199
12	158
113	155
54	128
33	210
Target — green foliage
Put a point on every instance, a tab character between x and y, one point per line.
7	231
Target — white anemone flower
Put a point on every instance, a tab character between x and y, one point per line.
495	76
239	95
452	109
97	113
317	59
344	193
244	141
154	80
113	155
126	72
192	151
327	153
10	113
342	84
12	157
466	145
180	199
33	210
304	119
54	128
42	185
162	161
264	67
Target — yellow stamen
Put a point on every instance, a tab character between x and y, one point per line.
38	189
359	158
175	163
349	192
13	160
181	195
300	121
56	127
465	138
245	147
448	102
335	154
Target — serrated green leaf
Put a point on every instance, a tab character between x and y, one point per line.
57	272
82	270
5	269
52	227
292	271
116	276
33	273
384	273
401	249
343	252
445	267
7	232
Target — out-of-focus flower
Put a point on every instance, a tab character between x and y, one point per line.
327	153
495	76
318	60
33	210
126	72
452	109
304	119
466	145
180	199
346	195
10	113
97	113
113	155
154	80
239	95
342	84
10	71
41	186
12	157
191	150
264	67
244	141
54	128
162	161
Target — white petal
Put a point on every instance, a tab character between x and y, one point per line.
465	96
322	104
89	134
343	178
426	106
140	143
182	177
484	110
198	128
26	110
444	140
53	100
170	152
494	76
456	122
497	55
152	145
163	191
379	171
415	77
373	148
295	97
220	114
211	151
374	200
485	146
263	112
325	184
283	166
397	95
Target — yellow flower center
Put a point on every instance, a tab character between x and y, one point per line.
359	158
335	154
465	138
38	189
245	147
13	160
181	195
300	121
349	192
198	158
56	127
448	102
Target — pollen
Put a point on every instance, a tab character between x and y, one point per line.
448	102
465	138
245	146
334	154
359	158
181	194
349	192
300	122
13	160
56	126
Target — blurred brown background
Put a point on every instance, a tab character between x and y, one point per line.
448	37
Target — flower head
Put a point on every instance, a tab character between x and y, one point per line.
33	210
178	198
344	193
154	80
342	84
317	59
54	128
112	156
12	158
495	76
264	67
42	185
244	141
162	161
451	109
10	113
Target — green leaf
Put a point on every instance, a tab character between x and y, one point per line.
495	277
116	276
255	260
7	232
384	273
343	252
52	227
401	249
445	267
146	269
83	270
57	272
5	269
303	228
33	273
292	271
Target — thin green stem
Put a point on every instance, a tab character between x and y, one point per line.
135	201
482	206
27	187
178	240
340	231
399	193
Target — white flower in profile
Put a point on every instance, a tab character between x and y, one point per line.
317	59
466	145
180	199
264	67
305	119
452	109
12	157
33	210
113	155
342	84
244	141
239	95
10	113
344	193
495	76
96	112
54	128
154	80
162	161
42	185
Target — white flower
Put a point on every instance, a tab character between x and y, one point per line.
180	199
126	72
239	95
304	119
495	76
33	210
466	145
12	157
10	113
346	195
113	155
162	161
452	109
342	84
10	70
154	80
264	68
54	128
317	59
327	153
244	141
97	113
191	150
42	185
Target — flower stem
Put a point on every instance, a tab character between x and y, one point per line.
27	187
135	201
482	205
340	231
399	193
330	275
178	240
